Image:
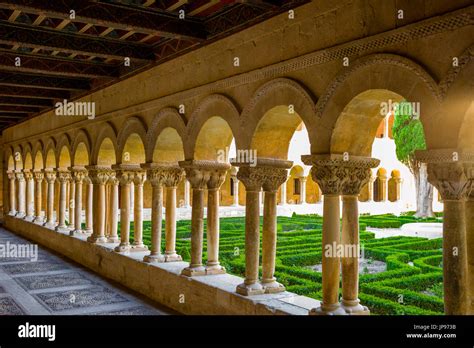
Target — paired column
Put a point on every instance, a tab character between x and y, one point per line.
39	177
89	205
50	176
63	178
172	177
138	180
337	175
30	195
454	181
269	174
99	175
283	194
20	177
79	174
186	193
125	175
113	210
12	192
235	184
71	204
303	190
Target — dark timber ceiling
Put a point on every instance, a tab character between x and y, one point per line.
64	57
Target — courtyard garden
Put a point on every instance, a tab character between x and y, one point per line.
399	275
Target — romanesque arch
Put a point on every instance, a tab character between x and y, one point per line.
131	141
81	148
104	148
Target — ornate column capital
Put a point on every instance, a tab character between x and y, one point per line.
28	174
20	176
38	175
338	174
11	174
125	173
164	173
50	175
78	173
268	173
203	174
451	171
63	175
99	175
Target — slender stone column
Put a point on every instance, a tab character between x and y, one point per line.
357	177
20	177
89	205
50	175
125	174
451	171
186	194
39	177
63	178
198	178
370	188
382	186
275	176
303	190
71	204
172	176
155	177
99	175
252	178
113	211
30	195
78	175
283	193
235	183
216	179
138	180
12	192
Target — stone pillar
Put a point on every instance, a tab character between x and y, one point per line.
154	176
358	175
63	178
125	175
274	177
451	171
138	180
186	194
12	192
50	176
216	179
252	178
198	178
30	195
113	211
172	176
235	183
283	193
99	175
72	204
89	205
303	190
78	175
370	188
382	186
331	172
20	177
39	176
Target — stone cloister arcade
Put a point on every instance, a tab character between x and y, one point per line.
80	173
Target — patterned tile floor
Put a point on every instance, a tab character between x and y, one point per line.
53	285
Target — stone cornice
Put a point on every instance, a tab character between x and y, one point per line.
266	162
204	164
359	47
444	156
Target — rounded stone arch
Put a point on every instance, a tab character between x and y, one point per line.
63	151
27	156
132	139
218	117
107	135
81	148
274	113
9	160
167	123
390	76
38	158
49	154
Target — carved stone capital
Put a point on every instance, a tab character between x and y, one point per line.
337	174
20	176
451	171
11	175
268	174
139	177
99	175
63	176
28	174
78	174
125	173
39	176
205	174
164	173
50	175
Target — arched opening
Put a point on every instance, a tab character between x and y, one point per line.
106	153
81	155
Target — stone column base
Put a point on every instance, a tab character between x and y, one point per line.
250	289
63	229
354	307
138	247
29	218
75	232
97	240
272	287
122	248
113	240
154	258
194	271
173	258
20	215
39	220
332	310
215	269
12	213
50	225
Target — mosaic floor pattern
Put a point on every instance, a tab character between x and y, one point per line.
48	284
